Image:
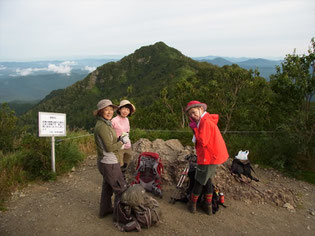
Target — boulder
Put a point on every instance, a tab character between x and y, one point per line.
173	153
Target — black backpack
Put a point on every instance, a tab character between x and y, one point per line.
240	167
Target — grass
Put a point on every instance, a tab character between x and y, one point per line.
307	176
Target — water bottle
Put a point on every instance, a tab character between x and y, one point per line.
221	198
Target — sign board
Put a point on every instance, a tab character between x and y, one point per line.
51	124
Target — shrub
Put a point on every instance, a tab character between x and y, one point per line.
36	157
9	130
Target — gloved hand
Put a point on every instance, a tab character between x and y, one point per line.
192	123
124	138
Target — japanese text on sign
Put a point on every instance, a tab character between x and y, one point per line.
51	124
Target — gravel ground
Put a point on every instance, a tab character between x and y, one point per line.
69	206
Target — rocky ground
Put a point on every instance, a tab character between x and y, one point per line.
276	205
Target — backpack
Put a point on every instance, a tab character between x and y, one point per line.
136	210
148	172
217	199
241	166
217	195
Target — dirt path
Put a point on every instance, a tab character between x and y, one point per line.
69	206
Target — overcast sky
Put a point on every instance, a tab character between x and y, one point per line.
56	29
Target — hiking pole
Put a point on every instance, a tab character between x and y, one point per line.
179	185
242	181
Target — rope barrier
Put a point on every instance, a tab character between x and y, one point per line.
63	139
174	131
186	131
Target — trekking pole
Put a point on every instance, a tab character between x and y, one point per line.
242	181
179	185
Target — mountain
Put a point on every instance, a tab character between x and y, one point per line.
219	61
158	79
264	66
20	107
28	81
230	59
259	62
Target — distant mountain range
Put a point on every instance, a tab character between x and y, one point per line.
264	66
30	81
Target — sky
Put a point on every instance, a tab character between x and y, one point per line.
66	29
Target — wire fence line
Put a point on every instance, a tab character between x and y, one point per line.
188	131
63	139
179	131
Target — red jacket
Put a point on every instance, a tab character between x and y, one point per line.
210	146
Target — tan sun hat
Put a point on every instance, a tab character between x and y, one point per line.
102	104
126	103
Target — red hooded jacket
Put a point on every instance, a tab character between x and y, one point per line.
210	146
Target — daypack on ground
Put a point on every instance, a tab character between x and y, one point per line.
136	210
241	166
148	172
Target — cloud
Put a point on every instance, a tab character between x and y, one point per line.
25	72
62	68
89	68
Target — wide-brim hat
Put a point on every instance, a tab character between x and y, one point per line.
128	104
102	104
193	104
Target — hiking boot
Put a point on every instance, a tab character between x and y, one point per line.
109	212
192	206
207	207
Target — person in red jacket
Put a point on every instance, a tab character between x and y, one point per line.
210	149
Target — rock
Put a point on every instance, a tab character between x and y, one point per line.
73	169
312	212
288	206
173	153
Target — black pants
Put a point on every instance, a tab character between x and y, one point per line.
113	182
198	189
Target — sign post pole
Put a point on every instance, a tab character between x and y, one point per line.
53	154
52	125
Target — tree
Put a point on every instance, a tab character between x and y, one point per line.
294	82
8	128
294	87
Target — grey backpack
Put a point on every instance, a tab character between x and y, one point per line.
136	210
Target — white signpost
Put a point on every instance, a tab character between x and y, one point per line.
52	125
